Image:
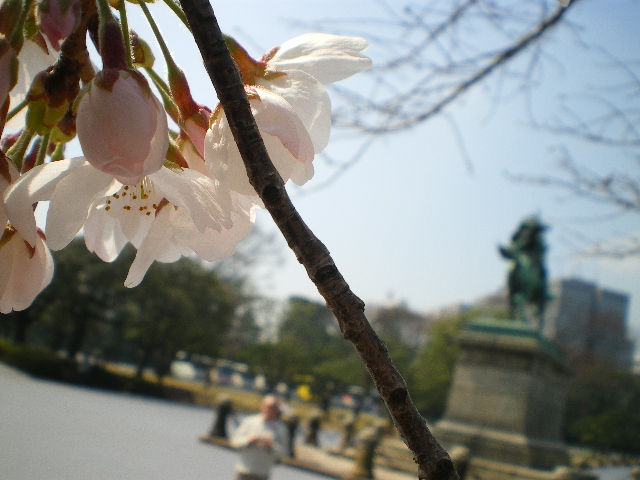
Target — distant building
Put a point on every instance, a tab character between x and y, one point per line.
589	322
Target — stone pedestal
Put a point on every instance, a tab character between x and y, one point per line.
508	396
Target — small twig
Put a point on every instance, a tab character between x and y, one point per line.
433	461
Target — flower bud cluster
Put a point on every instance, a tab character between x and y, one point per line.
168	190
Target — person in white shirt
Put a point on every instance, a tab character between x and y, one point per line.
261	439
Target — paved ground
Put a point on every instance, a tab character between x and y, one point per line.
55	431
313	459
318	460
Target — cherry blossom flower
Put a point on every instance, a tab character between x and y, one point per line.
172	235
309	62
168	214
295	72
122	126
57	19
26	268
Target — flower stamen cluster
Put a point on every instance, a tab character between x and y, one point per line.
139	198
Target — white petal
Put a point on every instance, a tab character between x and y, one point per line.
302	173
72	201
225	163
280	156
152	247
223	159
13	175
328	58
309	100
134	227
103	235
185	233
45	261
6	261
173	251
194	159
208	203
275	116
36	185
212	245
29	275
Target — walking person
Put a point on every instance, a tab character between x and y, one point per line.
261	439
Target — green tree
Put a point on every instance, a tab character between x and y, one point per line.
179	306
182	306
308	343
343	370
603	409
279	362
307	324
430	376
83	294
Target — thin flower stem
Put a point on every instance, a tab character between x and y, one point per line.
156	31
17	109
175	7
17	151
124	22
58	153
433	461
169	104
17	37
158	80
104	10
44	146
178	85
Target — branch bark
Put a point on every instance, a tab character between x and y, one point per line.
433	461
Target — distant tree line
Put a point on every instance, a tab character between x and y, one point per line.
182	306
188	306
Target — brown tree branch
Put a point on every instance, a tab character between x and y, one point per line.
461	87
433	461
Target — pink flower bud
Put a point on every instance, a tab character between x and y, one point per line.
58	18
26	270
196	129
122	126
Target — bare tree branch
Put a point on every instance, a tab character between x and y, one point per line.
607	117
433	461
619	190
429	75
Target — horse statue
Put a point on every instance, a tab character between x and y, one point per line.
527	278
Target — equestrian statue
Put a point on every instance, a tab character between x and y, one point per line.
527	278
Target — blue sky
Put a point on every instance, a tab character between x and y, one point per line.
408	221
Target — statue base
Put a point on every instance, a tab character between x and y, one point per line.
508	395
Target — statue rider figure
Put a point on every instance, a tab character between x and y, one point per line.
527	278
